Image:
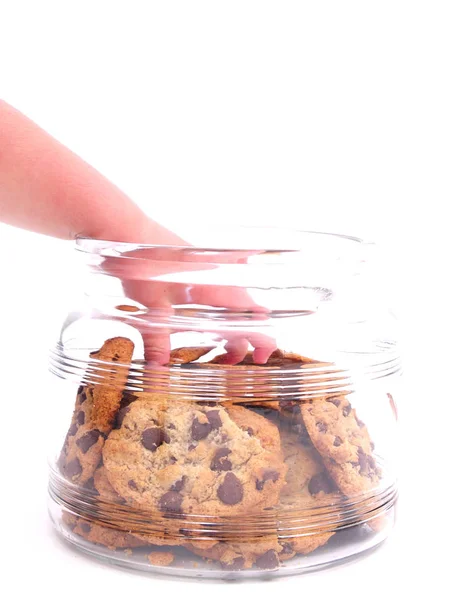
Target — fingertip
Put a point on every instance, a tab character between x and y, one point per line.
236	351
263	353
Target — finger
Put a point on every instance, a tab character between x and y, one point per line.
156	335
237	347
236	350
231	297
156	346
264	346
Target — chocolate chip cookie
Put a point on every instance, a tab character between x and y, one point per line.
262	384
179	458
99	534
187	355
277	358
308	492
117	529
103	487
343	442
307	487
95	410
262	553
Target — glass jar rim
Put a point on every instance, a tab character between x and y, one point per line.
298	238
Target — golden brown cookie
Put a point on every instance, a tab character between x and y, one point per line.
308	489
104	488
180	458
262	553
186	355
343	442
277	358
256	425
95	410
307	493
262	384
100	534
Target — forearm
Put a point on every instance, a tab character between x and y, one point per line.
47	188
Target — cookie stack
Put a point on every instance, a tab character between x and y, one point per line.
243	483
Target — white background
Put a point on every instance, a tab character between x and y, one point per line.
322	115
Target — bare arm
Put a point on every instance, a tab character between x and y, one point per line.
46	188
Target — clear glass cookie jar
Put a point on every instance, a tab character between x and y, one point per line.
226	412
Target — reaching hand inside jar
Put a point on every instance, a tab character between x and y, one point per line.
46	188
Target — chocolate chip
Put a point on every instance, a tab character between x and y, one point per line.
132	485
73	429
200	430
80	417
88	440
231	490
290	406
213	416
121	415
269	560
267	476
346	410
365	462
236	565
153	437
81	394
360	423
321	483
73	468
335	401
220	462
287	548
90	485
371	461
178	485
85	527
249	431
171	502
203	402
338	441
372	445
191	447
322	427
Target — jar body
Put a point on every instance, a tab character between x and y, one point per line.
209	463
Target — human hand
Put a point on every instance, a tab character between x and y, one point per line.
176	283
46	188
